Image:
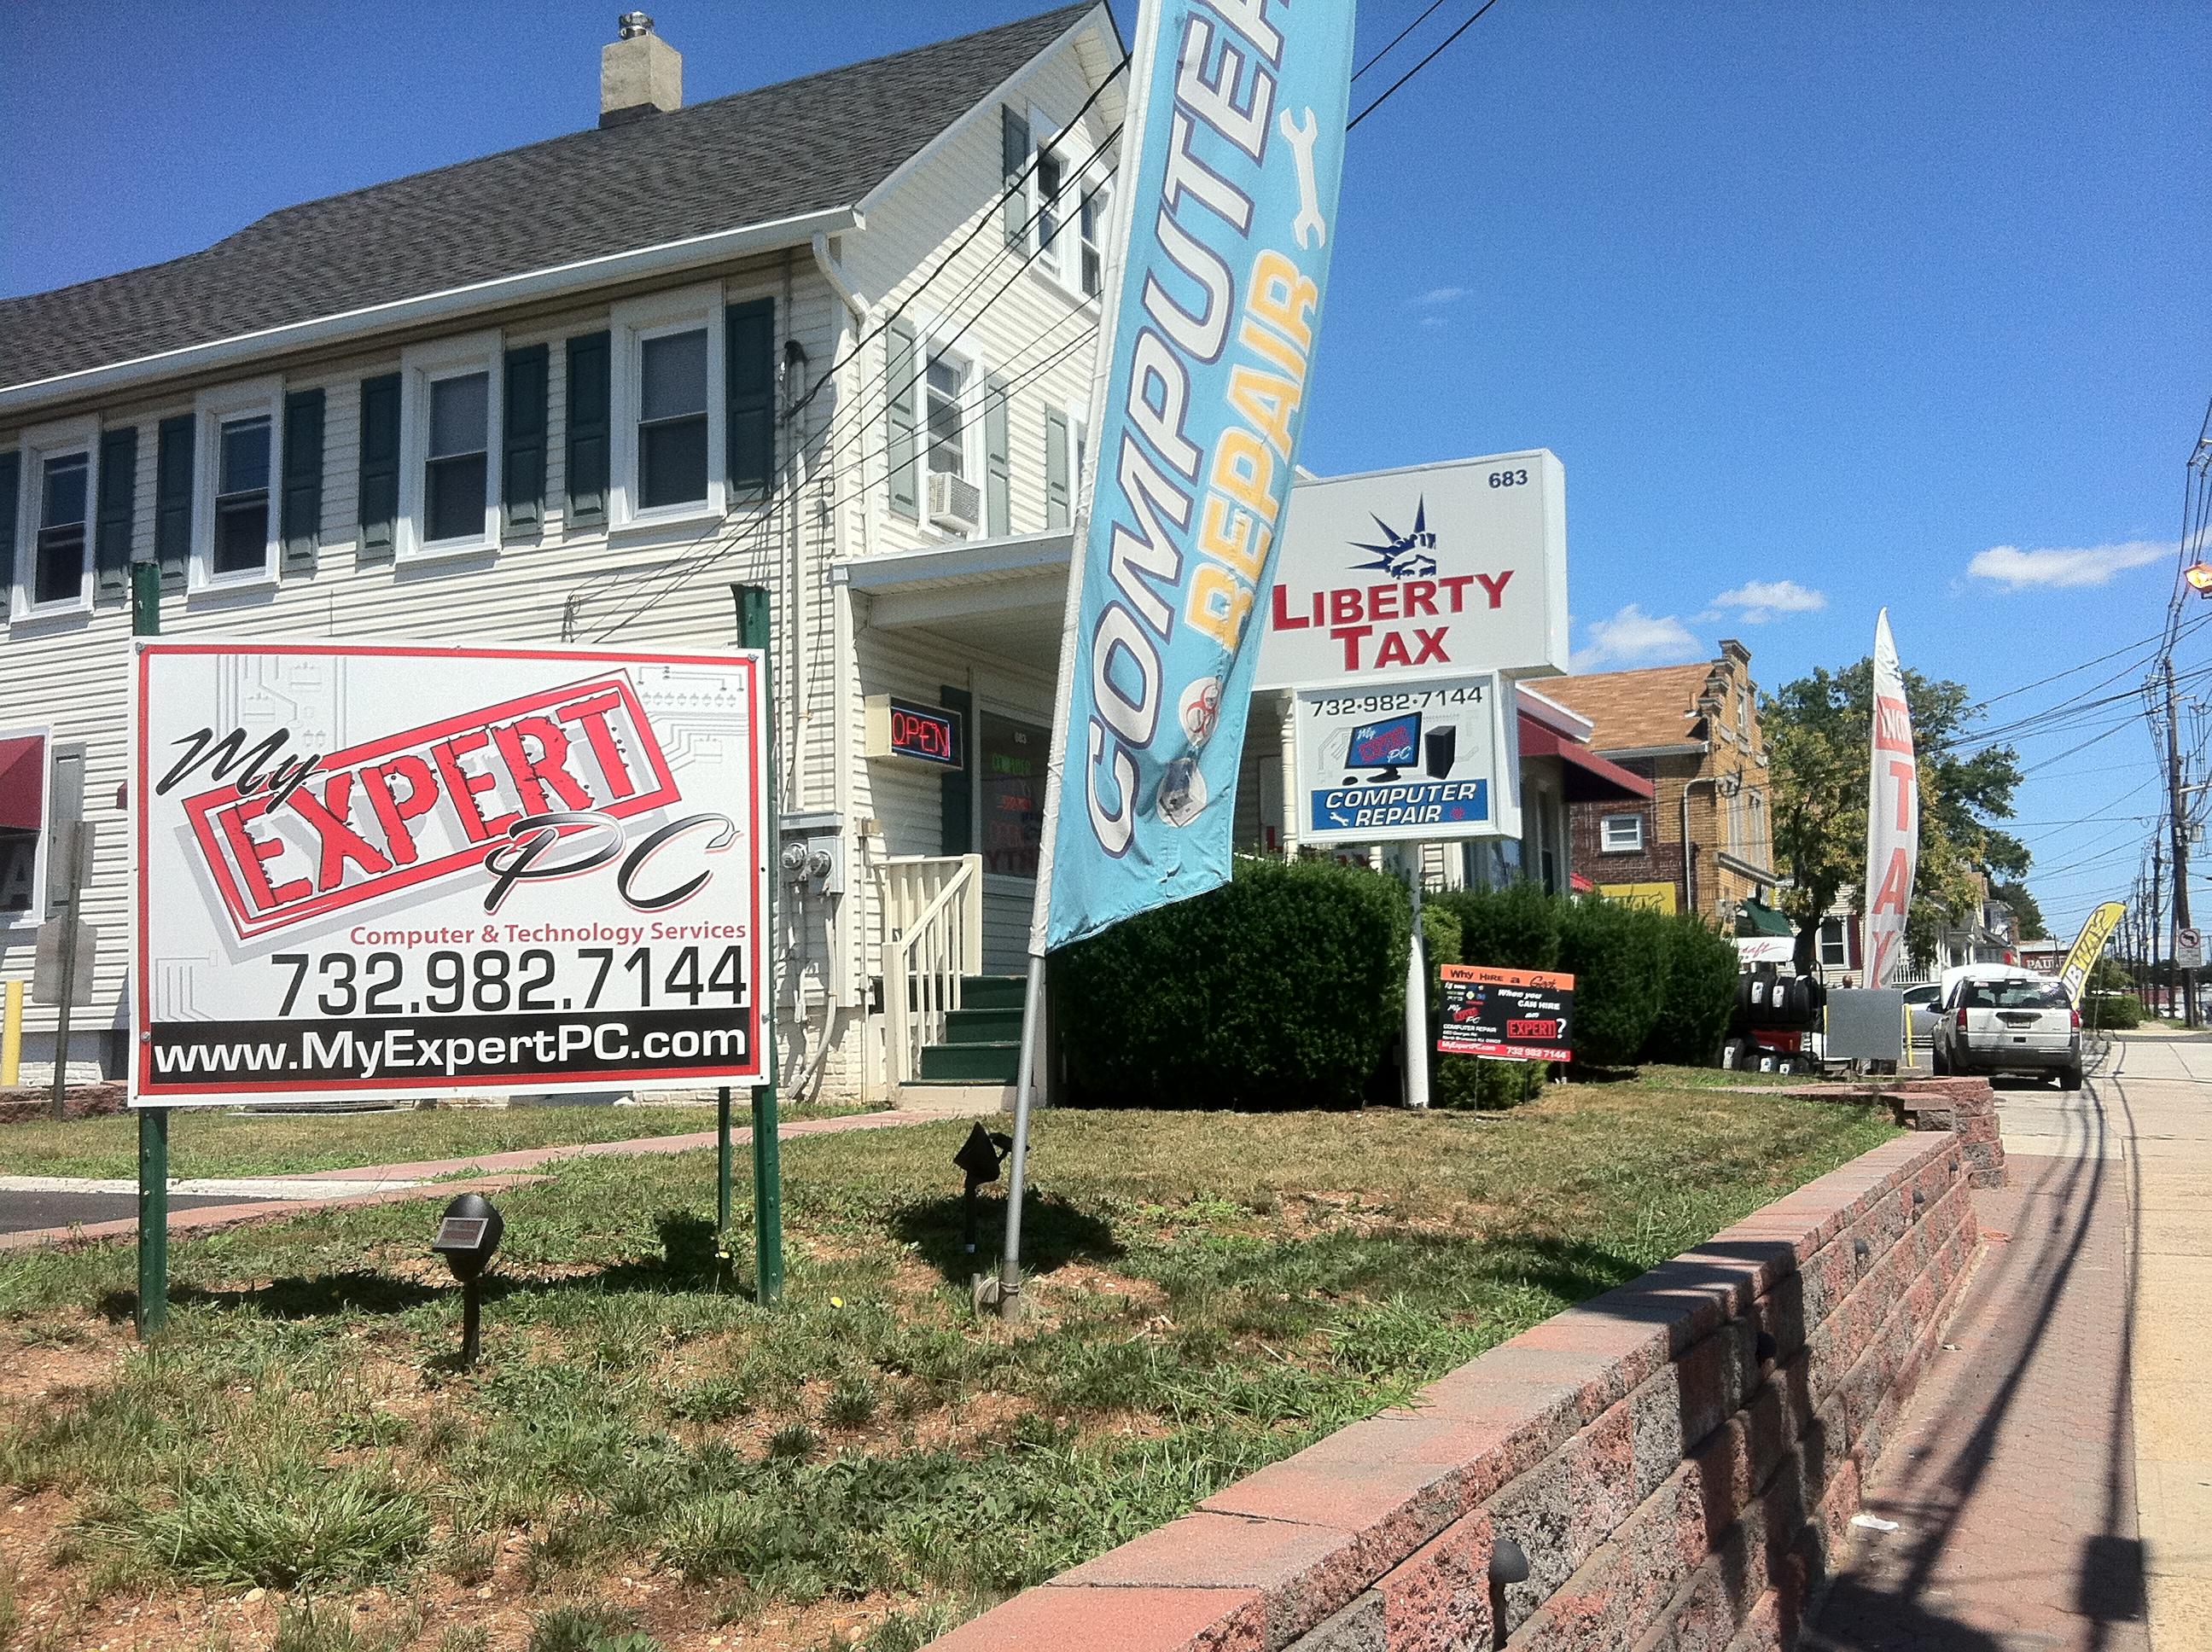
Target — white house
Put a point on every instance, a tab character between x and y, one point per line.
832	337
794	338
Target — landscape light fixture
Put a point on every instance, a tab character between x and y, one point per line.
468	1233
979	1156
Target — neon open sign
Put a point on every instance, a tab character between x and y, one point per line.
913	732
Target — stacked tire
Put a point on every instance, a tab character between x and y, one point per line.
1777	1003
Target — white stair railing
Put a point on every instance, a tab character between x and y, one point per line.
933	908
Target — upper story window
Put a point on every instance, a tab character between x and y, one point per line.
668	408
450	421
57	476
62	550
1835	950
1091	224
672	425
1620	834
946	382
1056	209
241	497
238	450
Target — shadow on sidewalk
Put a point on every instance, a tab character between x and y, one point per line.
1883	1599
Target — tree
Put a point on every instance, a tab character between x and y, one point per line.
2029	915
1817	731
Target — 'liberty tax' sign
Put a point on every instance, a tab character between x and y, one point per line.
392	870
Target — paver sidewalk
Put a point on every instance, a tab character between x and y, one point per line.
384	1184
2049	1483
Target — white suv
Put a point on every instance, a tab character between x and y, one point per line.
1999	1020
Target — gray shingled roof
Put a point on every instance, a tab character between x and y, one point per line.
803	146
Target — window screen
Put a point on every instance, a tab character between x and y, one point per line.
672	427
457	469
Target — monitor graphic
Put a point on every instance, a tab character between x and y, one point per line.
1383	748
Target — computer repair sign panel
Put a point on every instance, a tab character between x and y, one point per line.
1419	763
390	870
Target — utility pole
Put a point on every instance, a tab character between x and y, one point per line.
2157	904
2180	815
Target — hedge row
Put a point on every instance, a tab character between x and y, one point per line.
1286	988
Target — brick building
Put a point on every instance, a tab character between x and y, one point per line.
1692	731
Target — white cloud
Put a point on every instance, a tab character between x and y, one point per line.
1760	600
1634	637
1437	297
2063	569
1432	321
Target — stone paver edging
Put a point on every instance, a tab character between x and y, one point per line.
1677	1461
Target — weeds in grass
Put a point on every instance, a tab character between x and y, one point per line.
11	1617
588	1626
303	1626
463	1637
793	1440
276	1525
852	1403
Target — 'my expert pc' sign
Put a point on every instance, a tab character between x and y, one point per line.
393	869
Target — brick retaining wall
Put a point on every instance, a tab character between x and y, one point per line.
29	1104
1677	1459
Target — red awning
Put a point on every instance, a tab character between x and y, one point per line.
1590	778
23	782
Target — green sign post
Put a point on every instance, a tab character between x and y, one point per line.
152	1312
753	629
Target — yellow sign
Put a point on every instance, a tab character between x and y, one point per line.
1660	897
2088	946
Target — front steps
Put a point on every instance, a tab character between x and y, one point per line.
977	1063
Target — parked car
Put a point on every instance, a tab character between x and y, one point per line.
2003	1020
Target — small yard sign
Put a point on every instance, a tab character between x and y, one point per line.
1507	1015
397	870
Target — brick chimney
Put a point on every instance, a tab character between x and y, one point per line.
639	73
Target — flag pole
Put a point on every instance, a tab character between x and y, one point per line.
1009	1292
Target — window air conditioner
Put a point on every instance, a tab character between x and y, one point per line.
954	502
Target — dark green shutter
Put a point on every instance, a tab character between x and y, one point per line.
11	494
998	468
379	467
748	375
302	520
119	492
590	427
1013	162
1055	469
522	433
957	817
173	501
899	421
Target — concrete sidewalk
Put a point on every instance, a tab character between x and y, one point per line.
2049	1484
385	1184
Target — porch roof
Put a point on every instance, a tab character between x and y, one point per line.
1007	596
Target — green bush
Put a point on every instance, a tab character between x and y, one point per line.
1516	927
1698	994
1618	955
1284	988
2112	1012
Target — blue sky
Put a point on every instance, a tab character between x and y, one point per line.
1822	307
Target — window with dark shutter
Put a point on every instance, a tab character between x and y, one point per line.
522	433
589	428
172	499
11	493
899	392
379	467
1013	162
1056	479
998	468
301	513
118	488
750	376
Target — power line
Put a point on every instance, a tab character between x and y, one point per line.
1353	123
1428	11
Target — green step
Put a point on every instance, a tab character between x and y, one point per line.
971	1064
992	992
973	1026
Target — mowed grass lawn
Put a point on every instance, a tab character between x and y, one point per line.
643	1453
217	1142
